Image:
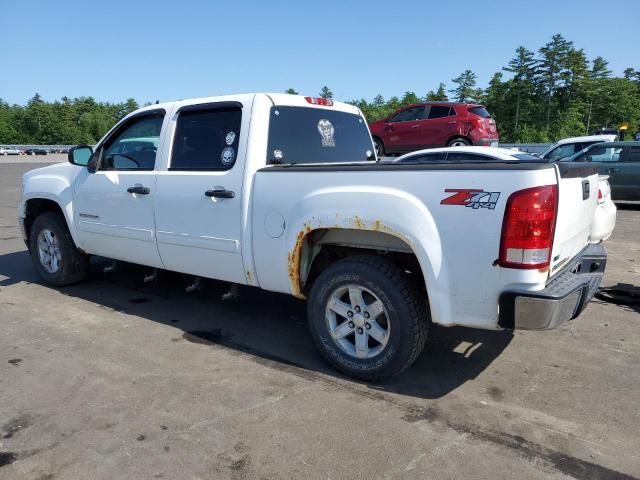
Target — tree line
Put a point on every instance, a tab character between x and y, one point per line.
541	96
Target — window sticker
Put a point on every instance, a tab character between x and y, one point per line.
230	138
227	156
326	133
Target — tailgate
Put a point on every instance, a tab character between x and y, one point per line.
578	197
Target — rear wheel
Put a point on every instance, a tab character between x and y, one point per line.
54	255
366	318
459	142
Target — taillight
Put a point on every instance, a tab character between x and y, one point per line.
327	102
528	227
600	196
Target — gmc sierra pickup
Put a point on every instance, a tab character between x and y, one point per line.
283	192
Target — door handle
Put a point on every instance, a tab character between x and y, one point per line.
451	122
220	193
612	170
139	189
415	126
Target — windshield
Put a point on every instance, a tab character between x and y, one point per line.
313	135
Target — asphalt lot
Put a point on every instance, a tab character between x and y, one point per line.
115	378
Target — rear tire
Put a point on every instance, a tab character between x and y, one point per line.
389	308
459	142
53	252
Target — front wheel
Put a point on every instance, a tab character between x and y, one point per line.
367	318
54	255
379	147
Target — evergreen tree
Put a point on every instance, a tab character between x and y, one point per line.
600	69
523	67
551	66
466	87
439	95
326	92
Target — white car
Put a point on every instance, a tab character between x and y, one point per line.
280	192
9	151
569	146
606	211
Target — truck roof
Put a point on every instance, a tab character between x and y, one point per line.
280	99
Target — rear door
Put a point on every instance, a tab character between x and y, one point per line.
199	198
439	126
577	202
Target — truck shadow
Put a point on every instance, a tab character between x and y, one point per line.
266	327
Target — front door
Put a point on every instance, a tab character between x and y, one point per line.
199	202
626	179
402	130
114	207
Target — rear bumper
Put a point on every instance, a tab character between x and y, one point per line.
486	142
563	298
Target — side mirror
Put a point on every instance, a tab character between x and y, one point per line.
80	155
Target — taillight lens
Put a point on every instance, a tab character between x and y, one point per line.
528	227
327	102
600	196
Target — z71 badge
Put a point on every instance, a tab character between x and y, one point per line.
471	198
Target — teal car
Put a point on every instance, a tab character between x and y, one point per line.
620	161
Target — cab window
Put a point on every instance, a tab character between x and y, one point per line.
604	154
134	146
206	139
562	151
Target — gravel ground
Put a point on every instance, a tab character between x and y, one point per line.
115	378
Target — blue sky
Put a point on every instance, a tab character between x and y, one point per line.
167	50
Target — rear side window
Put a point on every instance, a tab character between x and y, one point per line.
469	157
633	155
438	111
206	139
424	158
527	157
302	135
480	111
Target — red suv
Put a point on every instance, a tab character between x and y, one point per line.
434	124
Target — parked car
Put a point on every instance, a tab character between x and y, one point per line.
621	162
277	191
434	124
10	151
570	146
608	131
35	151
605	215
465	154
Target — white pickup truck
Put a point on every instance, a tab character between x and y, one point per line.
283	193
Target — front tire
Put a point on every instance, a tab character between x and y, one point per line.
379	147
55	257
367	318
